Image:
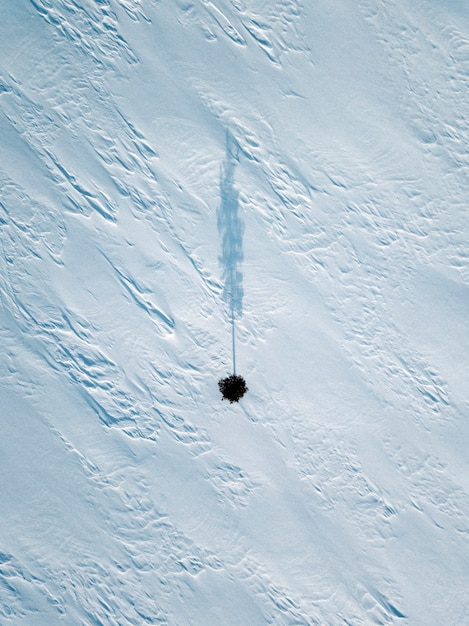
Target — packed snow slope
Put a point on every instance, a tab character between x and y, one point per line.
299	169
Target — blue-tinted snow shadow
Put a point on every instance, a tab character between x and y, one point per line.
231	229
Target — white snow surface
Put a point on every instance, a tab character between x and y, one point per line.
336	491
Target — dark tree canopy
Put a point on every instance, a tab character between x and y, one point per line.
232	388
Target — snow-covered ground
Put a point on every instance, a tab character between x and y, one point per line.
304	165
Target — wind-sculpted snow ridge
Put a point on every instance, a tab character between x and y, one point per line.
137	141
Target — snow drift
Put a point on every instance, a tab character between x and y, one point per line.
336	491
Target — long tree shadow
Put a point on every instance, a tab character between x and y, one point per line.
231	229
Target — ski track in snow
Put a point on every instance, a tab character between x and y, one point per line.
336	493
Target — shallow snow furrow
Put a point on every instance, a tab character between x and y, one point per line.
91	26
278	604
22	594
142	297
186	434
134	9
330	468
232	483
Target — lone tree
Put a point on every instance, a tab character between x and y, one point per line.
232	388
